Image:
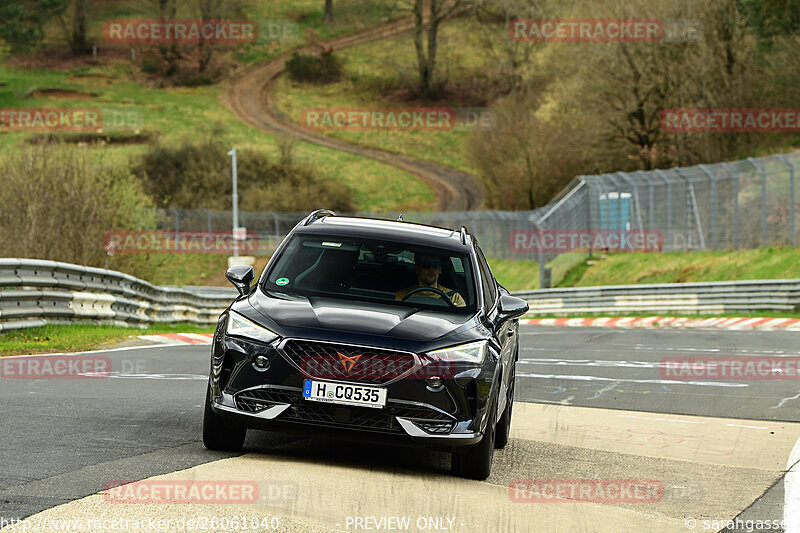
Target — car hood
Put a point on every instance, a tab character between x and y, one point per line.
295	316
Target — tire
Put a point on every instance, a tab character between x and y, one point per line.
219	434
476	462
504	424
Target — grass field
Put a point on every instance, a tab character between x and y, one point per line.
298	16
75	337
172	114
175	114
376	76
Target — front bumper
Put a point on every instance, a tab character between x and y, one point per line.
451	416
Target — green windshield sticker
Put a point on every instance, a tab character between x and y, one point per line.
334	244
282	281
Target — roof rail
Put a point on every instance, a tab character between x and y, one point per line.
316	215
464	234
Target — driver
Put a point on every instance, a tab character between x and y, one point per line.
428	267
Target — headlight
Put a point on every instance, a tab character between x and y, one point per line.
242	327
474	352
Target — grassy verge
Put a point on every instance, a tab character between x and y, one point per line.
681	267
79	337
521	274
206	270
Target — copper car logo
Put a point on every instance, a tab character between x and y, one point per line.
348	360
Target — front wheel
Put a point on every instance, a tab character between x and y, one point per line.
218	434
476	463
504	424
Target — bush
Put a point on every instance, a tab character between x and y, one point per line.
525	161
307	68
58	202
197	175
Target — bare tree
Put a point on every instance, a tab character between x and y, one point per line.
209	10
428	15
511	60
78	40
167	10
329	10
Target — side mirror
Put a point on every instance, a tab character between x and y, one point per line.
241	276
511	306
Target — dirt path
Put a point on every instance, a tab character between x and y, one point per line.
249	97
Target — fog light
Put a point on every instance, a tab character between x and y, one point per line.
434	382
261	362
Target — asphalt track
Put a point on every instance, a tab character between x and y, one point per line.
597	409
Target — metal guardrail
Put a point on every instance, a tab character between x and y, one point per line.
35	293
694	298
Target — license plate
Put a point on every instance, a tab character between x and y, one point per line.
341	393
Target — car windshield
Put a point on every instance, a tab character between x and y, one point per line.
363	269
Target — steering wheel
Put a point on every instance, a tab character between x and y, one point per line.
426	288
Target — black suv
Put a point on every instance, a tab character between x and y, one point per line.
379	328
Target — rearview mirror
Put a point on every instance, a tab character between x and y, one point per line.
241	276
511	306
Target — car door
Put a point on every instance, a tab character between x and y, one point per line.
503	331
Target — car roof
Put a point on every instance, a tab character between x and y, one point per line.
406	232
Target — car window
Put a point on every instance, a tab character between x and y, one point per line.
371	270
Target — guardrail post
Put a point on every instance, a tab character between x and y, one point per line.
763	172
791	198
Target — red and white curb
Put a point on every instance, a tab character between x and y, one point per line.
179	338
655	322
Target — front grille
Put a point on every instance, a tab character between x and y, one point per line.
333	361
344	416
354	417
